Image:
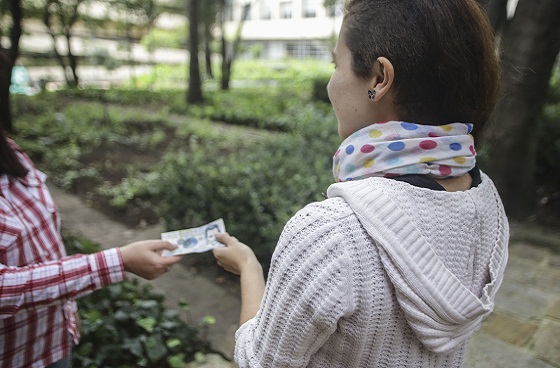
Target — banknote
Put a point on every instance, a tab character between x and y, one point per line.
195	240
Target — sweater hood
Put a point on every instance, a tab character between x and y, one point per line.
442	311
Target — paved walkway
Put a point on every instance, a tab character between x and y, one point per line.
522	332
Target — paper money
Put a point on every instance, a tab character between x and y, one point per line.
195	240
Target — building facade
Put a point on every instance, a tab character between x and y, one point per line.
276	29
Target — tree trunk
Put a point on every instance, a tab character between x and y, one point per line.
226	65
194	93
72	60
228	56
530	48
47	21
208	50
7	60
497	13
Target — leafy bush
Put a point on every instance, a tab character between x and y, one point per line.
254	186
126	324
58	138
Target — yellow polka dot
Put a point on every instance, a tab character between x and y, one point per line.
376	133
369	163
427	159
460	160
447	127
338	168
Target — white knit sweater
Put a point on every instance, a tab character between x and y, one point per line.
381	274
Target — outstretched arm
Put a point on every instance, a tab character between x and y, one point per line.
144	259
73	276
239	259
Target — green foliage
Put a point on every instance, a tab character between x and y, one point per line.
166	38
58	136
256	187
131	187
126	324
127	96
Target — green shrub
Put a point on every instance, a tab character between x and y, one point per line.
126	324
255	187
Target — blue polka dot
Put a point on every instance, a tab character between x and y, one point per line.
349	168
349	149
455	146
409	126
469	128
396	146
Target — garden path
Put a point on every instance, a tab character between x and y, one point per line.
522	331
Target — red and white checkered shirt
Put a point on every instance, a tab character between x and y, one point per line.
38	281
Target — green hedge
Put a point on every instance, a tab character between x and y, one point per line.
255	187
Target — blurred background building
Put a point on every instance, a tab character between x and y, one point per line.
276	29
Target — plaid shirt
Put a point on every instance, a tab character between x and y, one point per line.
38	281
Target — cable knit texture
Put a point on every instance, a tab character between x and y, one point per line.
381	274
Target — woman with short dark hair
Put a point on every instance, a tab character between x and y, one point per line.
401	263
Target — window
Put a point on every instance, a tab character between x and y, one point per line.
307	49
265	9
309	8
286	9
335	9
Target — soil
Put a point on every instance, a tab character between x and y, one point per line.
112	161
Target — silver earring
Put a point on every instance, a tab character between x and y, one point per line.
371	94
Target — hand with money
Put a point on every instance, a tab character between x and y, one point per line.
195	240
235	256
239	259
143	258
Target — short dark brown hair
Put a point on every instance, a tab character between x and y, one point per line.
446	66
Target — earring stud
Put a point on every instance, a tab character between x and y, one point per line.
371	94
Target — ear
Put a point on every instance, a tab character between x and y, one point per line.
383	76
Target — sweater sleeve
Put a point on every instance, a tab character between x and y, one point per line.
309	289
57	281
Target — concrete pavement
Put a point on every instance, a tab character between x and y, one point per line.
523	331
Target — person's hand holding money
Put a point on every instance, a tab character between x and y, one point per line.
235	256
143	258
238	258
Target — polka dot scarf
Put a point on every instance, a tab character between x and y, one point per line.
398	148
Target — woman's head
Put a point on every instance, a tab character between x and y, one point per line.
442	52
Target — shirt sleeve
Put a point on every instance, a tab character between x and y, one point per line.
57	281
309	289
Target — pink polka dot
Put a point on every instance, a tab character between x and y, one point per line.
367	148
444	170
472	150
337	152
427	145
433	135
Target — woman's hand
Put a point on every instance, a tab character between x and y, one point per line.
235	257
238	258
143	258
